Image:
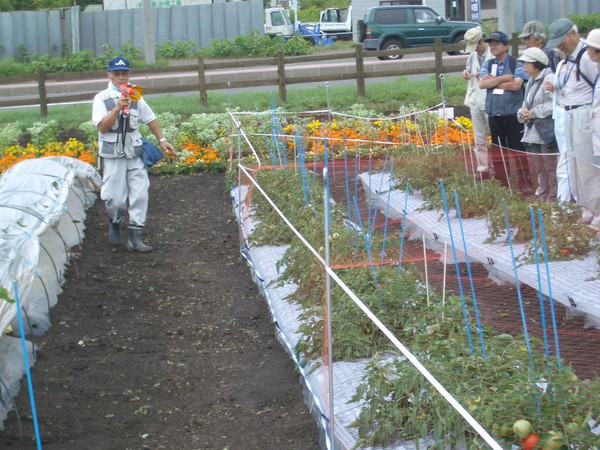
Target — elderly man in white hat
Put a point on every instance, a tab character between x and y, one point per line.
574	80
475	98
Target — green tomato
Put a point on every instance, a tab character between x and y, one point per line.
571	427
554	442
522	428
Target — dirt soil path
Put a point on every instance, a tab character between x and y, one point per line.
173	349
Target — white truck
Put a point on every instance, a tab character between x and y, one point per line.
337	22
278	23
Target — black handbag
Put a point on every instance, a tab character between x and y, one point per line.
151	154
545	127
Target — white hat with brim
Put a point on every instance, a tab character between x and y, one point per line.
593	39
534	54
472	38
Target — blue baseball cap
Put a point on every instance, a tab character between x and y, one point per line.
498	36
118	63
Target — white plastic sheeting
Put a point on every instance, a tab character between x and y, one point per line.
43	203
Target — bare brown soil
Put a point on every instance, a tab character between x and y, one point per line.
173	349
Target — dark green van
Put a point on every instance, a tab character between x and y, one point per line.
397	27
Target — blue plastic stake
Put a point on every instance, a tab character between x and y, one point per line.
347	181
372	230
302	162
550	297
267	141
539	282
475	308
387	210
460	286
369	197
368	248
36	428
520	297
401	252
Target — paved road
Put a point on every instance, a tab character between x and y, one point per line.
373	66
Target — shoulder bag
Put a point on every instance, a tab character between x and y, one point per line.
151	154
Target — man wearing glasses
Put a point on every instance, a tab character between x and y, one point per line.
574	80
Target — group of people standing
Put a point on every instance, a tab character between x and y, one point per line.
540	110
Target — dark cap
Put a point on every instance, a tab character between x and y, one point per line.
557	32
498	36
532	27
118	63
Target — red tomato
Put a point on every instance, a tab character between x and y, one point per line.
530	442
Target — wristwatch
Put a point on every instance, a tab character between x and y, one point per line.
163	139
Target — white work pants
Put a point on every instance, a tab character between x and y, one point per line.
125	187
479	119
564	166
586	164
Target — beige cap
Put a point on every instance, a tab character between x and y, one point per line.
593	39
472	38
534	54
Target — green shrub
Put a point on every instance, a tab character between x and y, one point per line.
586	22
11	66
257	45
178	50
9	135
43	132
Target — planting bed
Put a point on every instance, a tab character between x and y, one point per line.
173	349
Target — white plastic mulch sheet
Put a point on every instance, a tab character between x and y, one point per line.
43	204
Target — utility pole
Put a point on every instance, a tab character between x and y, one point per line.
148	27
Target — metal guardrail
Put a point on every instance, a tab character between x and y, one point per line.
199	79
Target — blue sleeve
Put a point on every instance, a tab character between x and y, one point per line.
484	69
520	71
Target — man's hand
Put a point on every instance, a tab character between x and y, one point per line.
123	102
167	147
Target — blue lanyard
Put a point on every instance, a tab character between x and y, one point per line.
568	74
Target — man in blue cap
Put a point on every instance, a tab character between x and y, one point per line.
503	77
125	180
574	82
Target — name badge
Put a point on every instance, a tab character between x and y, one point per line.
498	91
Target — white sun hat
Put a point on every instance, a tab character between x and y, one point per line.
534	54
593	39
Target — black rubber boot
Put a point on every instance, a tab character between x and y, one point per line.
135	242
114	233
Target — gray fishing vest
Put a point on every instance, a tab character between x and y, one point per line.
111	143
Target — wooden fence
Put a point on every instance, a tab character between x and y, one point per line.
53	88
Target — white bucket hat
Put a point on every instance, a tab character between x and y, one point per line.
534	54
472	38
593	39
